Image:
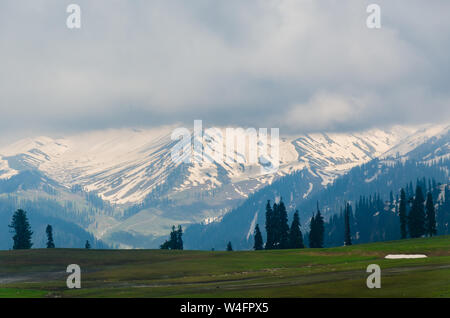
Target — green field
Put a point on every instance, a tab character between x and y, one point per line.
330	272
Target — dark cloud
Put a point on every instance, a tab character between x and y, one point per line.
297	65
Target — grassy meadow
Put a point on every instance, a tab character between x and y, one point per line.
328	272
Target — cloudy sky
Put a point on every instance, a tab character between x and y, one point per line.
301	65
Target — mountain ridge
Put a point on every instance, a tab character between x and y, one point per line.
132	168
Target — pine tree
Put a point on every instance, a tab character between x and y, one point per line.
402	214
416	220
173	239
312	233
258	239
22	230
320	228
317	230
295	234
179	238
49	231
87	245
269	226
229	247
283	226
446	209
430	216
348	236
443	212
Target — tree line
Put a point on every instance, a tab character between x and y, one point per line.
421	219
22	233
175	241
410	214
375	220
282	236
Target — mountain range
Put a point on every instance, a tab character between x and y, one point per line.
122	187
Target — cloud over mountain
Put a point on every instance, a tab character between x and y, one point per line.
298	65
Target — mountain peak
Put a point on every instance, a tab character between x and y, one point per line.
124	165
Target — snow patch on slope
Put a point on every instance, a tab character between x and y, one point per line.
252	226
405	256
5	171
125	165
305	195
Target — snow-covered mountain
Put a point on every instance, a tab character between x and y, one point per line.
426	162
133	167
124	166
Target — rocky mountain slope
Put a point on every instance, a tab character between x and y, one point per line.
132	170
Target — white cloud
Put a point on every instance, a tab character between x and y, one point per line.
258	62
325	112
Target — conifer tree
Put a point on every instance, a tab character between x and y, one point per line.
22	230
269	226
312	233
443	213
295	234
173	241
416	219
49	231
87	245
258	245
430	216
402	214
229	247
179	238
319	228
348	236
283	226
